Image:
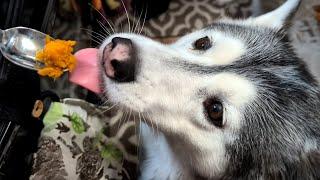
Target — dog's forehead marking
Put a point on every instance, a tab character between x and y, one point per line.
233	90
239	90
225	48
260	43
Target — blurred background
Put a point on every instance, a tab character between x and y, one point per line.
88	22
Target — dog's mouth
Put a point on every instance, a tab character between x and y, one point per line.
118	61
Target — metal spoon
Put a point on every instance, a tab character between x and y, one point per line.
20	45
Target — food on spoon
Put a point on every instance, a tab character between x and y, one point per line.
57	57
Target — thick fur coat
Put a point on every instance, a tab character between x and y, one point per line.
270	127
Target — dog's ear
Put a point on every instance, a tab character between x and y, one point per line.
279	17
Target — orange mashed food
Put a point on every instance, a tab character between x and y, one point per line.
57	57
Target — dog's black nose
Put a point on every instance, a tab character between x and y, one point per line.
120	60
119	40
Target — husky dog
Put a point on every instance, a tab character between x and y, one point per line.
230	101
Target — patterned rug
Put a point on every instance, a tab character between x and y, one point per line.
84	141
305	36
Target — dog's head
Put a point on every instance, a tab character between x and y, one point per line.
230	98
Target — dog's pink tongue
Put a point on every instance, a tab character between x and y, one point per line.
86	72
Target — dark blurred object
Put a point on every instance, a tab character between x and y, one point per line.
317	12
19	88
102	10
154	8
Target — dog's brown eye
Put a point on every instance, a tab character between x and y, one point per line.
202	43
214	111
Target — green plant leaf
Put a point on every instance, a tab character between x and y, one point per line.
77	123
110	152
52	117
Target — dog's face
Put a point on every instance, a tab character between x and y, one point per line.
218	94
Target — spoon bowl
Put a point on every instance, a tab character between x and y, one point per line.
20	45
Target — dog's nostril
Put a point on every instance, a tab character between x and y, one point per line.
123	70
115	64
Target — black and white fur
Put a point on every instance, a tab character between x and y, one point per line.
271	103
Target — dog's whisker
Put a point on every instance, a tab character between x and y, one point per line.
144	20
126	114
119	121
105	102
129	117
139	115
121	29
90	30
123	118
138	23
102	36
127	14
156	124
104	27
96	41
139	138
134	21
114	105
147	119
94	38
140	123
103	17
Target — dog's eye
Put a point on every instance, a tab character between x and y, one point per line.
214	111
202	44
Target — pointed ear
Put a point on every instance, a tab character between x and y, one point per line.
278	17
